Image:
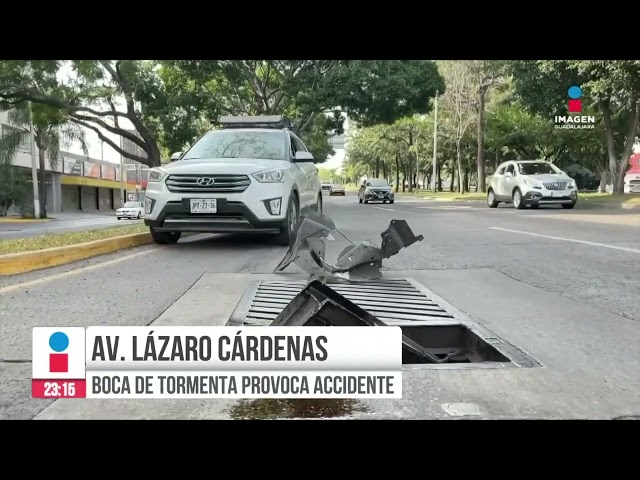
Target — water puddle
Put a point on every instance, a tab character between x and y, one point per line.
265	409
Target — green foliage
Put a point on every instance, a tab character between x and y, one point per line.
171	103
12	187
328	173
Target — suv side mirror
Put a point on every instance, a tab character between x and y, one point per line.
508	174
175	156
303	157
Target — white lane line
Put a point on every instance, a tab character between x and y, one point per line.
57	276
388	209
449	207
572	240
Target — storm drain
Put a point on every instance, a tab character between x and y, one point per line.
389	300
423	316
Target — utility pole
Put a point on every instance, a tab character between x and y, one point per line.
122	199
102	150
34	165
434	175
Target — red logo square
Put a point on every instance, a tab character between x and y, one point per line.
575	106
58	362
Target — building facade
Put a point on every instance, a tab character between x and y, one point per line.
76	183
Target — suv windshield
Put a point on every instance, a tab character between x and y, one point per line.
239	144
377	183
538	168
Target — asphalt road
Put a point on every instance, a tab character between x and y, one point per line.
562	285
62	223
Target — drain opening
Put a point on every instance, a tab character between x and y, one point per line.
456	343
450	338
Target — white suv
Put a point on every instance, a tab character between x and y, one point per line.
254	175
531	182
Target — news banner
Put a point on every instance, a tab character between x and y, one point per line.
217	362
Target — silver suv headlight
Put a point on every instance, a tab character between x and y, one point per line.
156	174
275	175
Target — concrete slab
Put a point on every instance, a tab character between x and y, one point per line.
590	359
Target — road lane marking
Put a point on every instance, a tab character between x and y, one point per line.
572	240
388	209
449	207
57	276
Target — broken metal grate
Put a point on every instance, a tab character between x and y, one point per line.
393	301
424	317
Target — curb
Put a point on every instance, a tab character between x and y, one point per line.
14	263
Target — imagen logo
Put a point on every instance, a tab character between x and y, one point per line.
574	107
575	102
58	361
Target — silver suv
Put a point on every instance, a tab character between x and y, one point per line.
533	183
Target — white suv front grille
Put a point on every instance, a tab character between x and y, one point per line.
207	183
555	185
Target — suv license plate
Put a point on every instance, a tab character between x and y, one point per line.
206	205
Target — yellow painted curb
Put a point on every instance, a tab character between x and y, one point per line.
23	220
22	262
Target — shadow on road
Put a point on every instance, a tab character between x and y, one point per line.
226	241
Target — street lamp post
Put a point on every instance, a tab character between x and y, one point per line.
435	146
121	180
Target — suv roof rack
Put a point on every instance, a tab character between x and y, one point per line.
266	121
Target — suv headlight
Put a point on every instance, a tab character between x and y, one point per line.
571	184
156	174
531	183
270	176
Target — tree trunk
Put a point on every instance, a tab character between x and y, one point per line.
453	176
481	163
404	179
397	173
460	170
439	179
377	168
617	169
466	180
604	177
410	174
42	186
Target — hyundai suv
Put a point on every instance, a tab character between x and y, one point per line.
533	183
254	175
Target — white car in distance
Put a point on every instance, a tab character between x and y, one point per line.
131	210
531	183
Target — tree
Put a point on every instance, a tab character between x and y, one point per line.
610	87
369	92
487	75
51	130
460	100
101	95
615	86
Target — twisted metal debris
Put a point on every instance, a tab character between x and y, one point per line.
357	261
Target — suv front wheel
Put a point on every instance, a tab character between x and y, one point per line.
285	236
165	238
